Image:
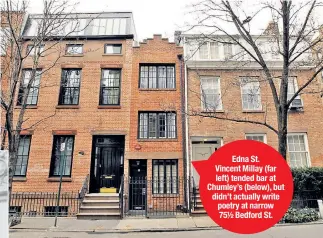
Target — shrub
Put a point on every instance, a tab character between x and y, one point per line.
294	215
308	182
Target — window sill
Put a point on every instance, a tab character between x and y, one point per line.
109	107
157	89
56	179
253	111
112	54
216	111
157	140
27	107
19	179
163	195
67	107
76	55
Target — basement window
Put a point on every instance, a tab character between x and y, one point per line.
50	211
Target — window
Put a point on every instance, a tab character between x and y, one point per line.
204	51
70	87
50	211
112	49
227	51
31	49
257	137
165	176
22	156
32	96
298	150
110	87
74	49
157	125
62	150
5	35
161	76
211	93
214	50
250	91
292	89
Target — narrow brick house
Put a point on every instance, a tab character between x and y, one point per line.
218	83
156	132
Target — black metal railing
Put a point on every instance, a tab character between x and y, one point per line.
193	196
44	204
154	197
85	188
121	191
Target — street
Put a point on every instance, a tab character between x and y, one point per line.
300	231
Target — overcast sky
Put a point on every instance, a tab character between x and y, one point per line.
151	16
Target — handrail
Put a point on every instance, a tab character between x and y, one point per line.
194	193
85	188
121	188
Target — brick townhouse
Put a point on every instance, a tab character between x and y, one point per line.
112	116
213	77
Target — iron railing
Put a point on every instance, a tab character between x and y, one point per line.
193	195
121	191
154	197
85	188
44	204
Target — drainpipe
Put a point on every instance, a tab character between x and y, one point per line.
188	163
183	118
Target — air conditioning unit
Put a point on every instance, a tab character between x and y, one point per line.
296	104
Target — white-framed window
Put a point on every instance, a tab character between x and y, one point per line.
214	50
250	93
227	48
31	49
298	151
292	89
74	49
257	136
211	93
204	51
4	40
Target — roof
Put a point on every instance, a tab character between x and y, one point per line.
84	25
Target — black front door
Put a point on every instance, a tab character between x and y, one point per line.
107	163
138	184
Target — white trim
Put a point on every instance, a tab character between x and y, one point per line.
257	134
218	85
306	145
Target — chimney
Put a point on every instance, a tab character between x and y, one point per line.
177	37
272	28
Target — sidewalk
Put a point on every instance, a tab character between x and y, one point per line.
126	225
119	226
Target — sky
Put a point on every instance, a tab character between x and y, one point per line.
151	16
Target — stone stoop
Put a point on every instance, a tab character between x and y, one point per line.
199	209
100	206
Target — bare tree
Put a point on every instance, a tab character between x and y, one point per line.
294	39
56	23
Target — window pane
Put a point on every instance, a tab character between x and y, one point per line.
143	125
298	153
170	77
152	81
152	125
22	156
171	122
110	87
70	87
211	93
251	98
260	138
32	96
203	51
165	175
214	50
144	77
74	49
64	157
162	77
162	125
113	49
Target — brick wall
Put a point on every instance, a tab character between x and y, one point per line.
308	121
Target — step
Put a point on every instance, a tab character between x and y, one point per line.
198	213
100	210
98	216
102	196
97	203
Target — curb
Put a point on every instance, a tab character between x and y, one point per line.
52	229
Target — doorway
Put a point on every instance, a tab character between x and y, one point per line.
107	164
137	184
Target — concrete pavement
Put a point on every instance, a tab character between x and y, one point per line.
312	231
125	225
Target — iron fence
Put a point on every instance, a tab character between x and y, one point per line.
154	197
44	204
